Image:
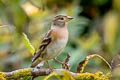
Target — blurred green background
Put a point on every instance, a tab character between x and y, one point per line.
95	29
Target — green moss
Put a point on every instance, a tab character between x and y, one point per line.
66	75
92	76
60	75
21	73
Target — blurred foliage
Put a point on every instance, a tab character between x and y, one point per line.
28	44
95	29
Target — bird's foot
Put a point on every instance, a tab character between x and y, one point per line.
65	66
51	69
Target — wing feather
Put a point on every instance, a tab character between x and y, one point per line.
46	41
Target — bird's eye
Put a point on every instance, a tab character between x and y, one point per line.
61	18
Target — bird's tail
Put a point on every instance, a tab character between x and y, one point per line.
36	62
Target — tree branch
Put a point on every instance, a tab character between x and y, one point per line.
30	72
43	72
65	73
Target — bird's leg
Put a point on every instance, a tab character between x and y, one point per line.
51	69
64	64
58	61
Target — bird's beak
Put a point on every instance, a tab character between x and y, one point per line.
69	18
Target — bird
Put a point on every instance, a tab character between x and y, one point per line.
54	40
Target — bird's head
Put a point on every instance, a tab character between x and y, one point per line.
61	20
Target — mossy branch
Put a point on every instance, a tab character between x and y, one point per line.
66	74
57	73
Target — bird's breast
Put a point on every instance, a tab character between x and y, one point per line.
56	47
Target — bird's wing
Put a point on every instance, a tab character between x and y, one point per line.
46	41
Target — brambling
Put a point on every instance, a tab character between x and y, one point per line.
54	41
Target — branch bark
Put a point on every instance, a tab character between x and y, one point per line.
30	72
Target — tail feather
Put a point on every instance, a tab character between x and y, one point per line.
36	62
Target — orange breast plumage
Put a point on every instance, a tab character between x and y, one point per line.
58	43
